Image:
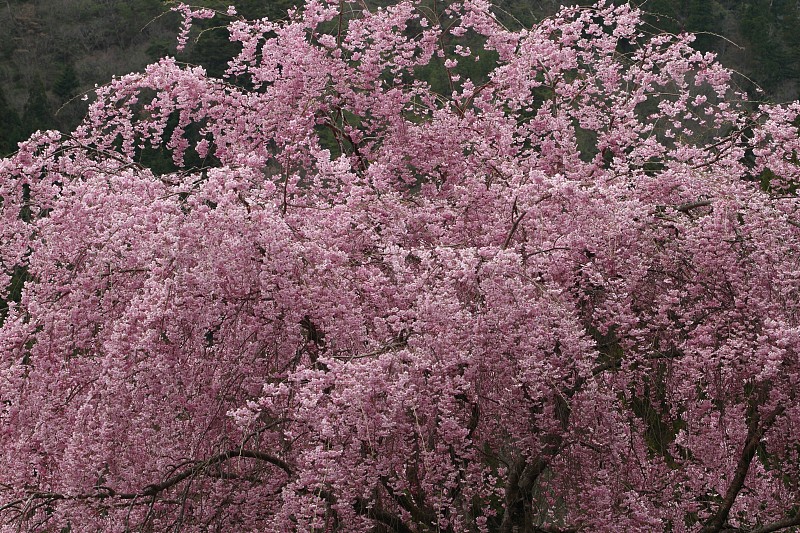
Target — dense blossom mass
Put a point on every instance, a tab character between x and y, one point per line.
408	270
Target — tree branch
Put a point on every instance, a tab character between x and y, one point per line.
388	519
516	218
104	492
418	514
152	490
777	526
362	506
685	208
755	432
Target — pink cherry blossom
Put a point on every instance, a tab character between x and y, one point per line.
563	296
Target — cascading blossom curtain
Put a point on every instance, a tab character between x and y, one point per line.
560	296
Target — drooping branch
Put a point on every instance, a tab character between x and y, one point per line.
152	490
755	432
777	526
104	492
363	508
524	473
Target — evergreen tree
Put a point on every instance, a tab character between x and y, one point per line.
38	114
67	84
702	20
789	22
10	132
768	55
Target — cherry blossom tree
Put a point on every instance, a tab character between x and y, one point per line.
559	293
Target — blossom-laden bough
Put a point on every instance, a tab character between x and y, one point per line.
560	295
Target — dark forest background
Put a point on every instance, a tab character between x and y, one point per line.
54	51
